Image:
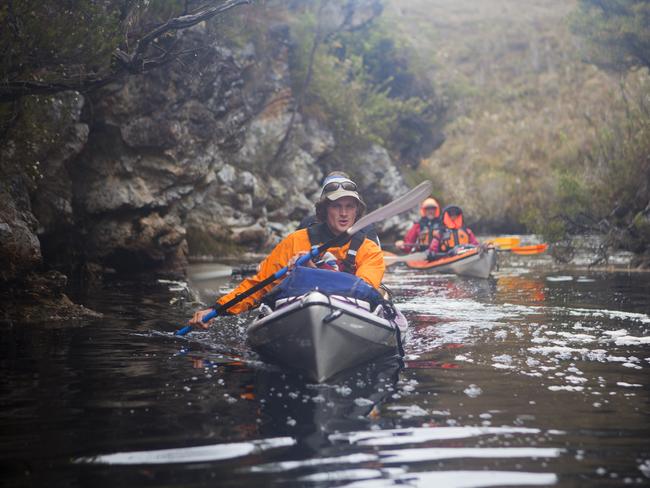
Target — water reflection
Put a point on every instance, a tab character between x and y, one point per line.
530	378
520	289
197	454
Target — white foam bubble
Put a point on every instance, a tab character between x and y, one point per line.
566	388
437	453
559	278
213	452
425	434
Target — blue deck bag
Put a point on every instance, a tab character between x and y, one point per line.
303	279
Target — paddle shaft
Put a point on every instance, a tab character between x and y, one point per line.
313	252
416	256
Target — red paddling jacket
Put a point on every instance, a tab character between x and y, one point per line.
420	235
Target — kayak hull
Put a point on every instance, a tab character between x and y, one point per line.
322	336
473	263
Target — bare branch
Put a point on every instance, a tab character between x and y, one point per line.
125	63
297	107
134	61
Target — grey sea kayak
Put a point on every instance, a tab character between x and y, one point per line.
472	262
322	335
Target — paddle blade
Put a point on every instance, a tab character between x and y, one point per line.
403	203
504	243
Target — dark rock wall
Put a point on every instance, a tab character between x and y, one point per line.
183	154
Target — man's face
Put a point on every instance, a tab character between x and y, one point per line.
430	212
341	214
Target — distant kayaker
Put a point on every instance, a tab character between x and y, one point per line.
338	208
452	234
420	235
312	219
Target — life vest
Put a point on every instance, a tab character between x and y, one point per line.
453	232
320	233
427	228
451	238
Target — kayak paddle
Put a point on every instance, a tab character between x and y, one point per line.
504	243
528	250
511	244
403	203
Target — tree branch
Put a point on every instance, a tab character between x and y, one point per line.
125	63
297	107
134	61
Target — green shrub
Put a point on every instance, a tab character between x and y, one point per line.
363	87
607	185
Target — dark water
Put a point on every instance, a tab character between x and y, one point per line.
536	377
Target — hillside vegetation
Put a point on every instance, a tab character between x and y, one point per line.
526	110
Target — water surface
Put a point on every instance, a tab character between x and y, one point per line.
535	377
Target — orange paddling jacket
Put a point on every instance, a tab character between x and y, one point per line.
369	263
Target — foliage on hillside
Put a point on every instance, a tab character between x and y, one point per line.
611	180
73	43
37	41
519	101
362	84
540	140
616	33
49	46
605	187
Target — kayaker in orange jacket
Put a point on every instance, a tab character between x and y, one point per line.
339	207
452	234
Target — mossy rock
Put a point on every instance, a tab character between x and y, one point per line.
203	243
641	225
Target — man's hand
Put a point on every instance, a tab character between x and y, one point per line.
292	261
197	318
432	256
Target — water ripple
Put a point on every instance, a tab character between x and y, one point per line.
214	452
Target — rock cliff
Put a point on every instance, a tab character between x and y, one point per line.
183	160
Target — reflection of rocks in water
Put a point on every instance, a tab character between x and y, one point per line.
40	298
594	251
310	412
563	252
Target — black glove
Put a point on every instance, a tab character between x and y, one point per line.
432	256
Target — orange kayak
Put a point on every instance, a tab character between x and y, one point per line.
470	262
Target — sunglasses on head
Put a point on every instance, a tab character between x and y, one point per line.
335	185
